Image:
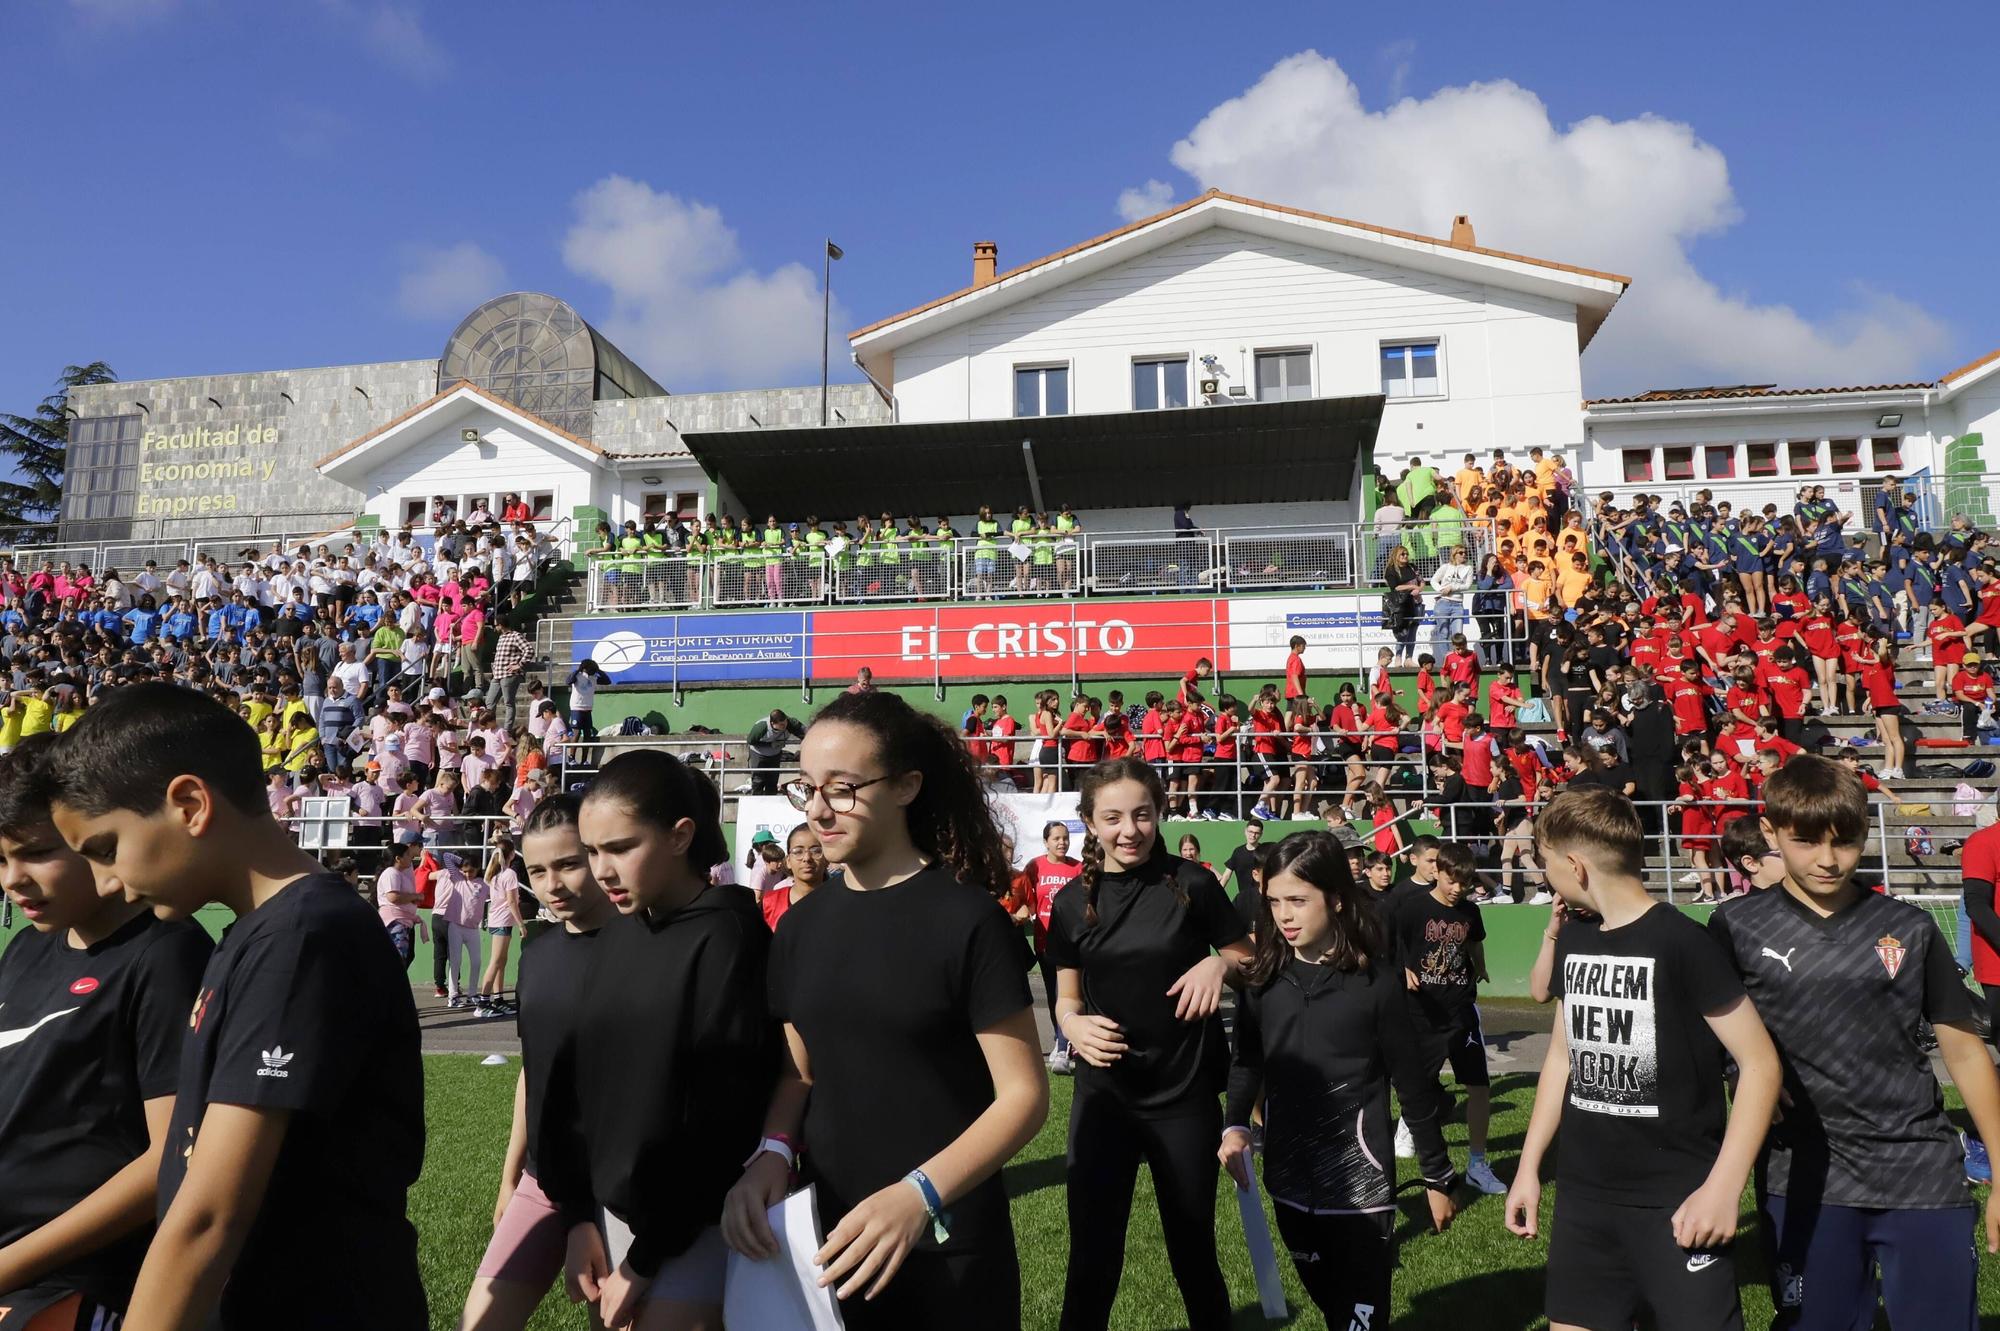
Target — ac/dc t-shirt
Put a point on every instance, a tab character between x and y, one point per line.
1153	923
306	1007
1435	942
1842	996
87	1036
1643	1120
889	990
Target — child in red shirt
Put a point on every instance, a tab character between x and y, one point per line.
1426	683
1503	695
1461	663
1947	634
1295	675
1971	686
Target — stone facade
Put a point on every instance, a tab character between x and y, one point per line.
196	468
652	426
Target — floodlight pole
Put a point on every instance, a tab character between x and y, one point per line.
833	252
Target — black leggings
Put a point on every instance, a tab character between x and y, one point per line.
1344	1261
1049	983
968	1290
1106	1144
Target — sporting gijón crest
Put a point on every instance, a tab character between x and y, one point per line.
1891	950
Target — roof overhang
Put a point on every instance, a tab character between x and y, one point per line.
353	463
1592	292
1263	452
1754	406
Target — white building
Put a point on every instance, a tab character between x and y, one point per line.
1759	443
1223	300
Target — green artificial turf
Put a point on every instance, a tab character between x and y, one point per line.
1475	1276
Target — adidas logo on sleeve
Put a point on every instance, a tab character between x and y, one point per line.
274	1063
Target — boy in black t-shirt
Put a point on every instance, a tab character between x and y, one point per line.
1440	939
1648	1179
93	1000
298	1113
1863	1169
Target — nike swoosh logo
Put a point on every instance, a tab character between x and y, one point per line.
10	1038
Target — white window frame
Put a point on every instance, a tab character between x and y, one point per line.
1188	384
1031	366
1306	349
1414	340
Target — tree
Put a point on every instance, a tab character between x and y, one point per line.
35	444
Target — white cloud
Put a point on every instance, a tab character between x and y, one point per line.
1629	196
683	302
1145	200
1399	56
394	34
448	281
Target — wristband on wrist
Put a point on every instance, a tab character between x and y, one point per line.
933	1203
779	1145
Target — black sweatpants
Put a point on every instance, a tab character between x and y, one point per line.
1344	1261
440	949
1106	1144
965	1290
1048	968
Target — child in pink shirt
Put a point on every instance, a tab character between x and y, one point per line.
460	906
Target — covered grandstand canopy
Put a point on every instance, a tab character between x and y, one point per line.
1253	453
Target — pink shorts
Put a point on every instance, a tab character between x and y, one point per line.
530	1241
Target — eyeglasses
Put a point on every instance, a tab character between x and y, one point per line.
812	852
839	795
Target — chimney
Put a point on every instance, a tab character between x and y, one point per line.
1461	232
985	259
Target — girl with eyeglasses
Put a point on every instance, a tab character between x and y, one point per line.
1143	943
668	1055
806	864
913	1069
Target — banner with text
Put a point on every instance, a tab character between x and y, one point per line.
696	649
1342	633
1014	640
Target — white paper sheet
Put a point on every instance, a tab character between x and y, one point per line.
782	1293
1257	1237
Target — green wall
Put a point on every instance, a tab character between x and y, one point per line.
733	710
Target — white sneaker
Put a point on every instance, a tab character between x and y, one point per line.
1481	1176
1061	1063
1691	878
1406	1145
1540	899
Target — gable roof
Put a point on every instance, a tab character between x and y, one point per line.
1236	205
463	391
1742	391
1972	369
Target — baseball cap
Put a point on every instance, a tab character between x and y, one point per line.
1973	658
436	695
764	837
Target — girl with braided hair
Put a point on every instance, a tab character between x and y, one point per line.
1143	942
914	1069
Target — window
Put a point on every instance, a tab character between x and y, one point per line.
1678	463
1041	390
1283	375
1719	461
1763	459
653	505
687	505
416	512
1886	454
1803	455
101	471
1845	454
1159	383
1638	465
1410	369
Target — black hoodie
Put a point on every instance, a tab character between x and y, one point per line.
672	1056
1322	1046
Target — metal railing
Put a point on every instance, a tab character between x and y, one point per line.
1329	557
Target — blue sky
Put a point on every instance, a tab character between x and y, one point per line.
222	185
